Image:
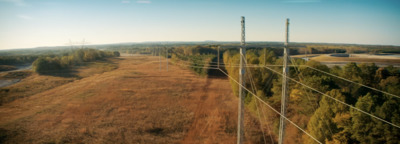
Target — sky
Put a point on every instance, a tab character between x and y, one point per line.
35	23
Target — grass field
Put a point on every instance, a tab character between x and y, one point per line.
135	103
32	83
379	60
327	58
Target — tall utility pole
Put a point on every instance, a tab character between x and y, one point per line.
166	49
285	85
242	82
306	55
159	58
218	56
83	43
265	56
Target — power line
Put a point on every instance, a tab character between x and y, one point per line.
247	65
261	124
253	86
337	99
269	130
299	75
353	82
257	66
235	65
195	66
311	89
270	106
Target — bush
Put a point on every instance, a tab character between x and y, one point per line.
48	64
116	53
44	65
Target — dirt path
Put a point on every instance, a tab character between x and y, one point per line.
135	103
215	114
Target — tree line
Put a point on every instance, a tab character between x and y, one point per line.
322	117
15	60
45	64
198	58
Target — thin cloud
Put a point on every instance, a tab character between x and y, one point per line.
16	2
302	1
143	1
25	17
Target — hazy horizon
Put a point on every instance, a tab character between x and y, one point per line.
79	45
46	23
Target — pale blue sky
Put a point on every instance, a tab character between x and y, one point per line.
33	23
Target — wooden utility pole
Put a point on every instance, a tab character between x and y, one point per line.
306	55
265	56
166	49
218	56
285	86
240	131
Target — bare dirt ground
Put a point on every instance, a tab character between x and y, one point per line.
136	103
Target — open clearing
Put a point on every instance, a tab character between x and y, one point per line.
135	103
380	60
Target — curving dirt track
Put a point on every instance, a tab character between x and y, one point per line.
136	103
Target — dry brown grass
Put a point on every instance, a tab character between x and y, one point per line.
33	83
135	103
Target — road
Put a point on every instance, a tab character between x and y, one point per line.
8	82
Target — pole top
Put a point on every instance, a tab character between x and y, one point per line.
242	18
287	20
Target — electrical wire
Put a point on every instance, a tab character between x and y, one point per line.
271	107
336	99
353	82
308	97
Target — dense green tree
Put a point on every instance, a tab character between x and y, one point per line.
15	60
364	127
50	64
367	73
381	74
393	71
328	120
306	72
370	130
46	65
116	53
352	72
336	70
322	124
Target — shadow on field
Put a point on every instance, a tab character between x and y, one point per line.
66	73
98	66
216	73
